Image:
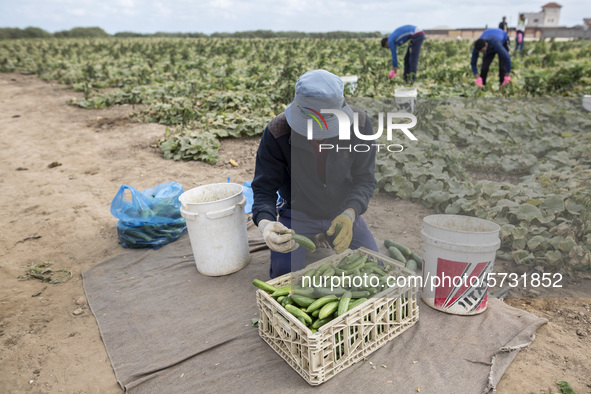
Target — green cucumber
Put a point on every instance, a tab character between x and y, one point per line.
329	272
357	263
297	312
302	301
282	291
325	291
286	301
280	299
315	313
411	265
403	249
264	286
344	261
417	259
323	268
338	271
304	242
396	254
320	322
328	309
310	272
304	292
359	294
344	303
321	302
378	271
303	321
355	303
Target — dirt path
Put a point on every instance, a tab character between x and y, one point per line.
61	215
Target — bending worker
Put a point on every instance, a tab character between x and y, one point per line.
321	179
490	43
405	33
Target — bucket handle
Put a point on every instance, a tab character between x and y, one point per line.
225	212
189	215
215	214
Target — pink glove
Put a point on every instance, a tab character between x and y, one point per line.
519	38
506	81
392	74
478	82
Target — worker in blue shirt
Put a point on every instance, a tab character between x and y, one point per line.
490	43
415	37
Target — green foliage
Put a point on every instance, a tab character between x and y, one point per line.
82	32
29	32
183	143
205	89
541	149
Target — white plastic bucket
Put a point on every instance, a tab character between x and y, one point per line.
350	82
406	98
458	255
217	227
587	102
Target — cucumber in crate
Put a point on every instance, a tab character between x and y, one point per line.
319	328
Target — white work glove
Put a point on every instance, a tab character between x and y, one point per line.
277	236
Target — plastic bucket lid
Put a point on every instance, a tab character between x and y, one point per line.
349	79
405	92
587	102
201	197
462	231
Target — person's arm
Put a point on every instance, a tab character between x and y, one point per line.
393	50
363	174
474	61
268	177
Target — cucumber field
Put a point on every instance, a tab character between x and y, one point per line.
208	89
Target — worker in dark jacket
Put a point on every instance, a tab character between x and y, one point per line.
321	179
503	25
491	43
415	37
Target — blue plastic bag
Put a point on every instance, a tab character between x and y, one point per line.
248	194
152	218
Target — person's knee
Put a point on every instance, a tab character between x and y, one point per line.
362	236
280	264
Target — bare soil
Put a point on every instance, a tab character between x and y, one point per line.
59	214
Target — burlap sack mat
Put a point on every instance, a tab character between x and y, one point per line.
168	328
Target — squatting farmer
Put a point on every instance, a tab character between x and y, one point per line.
321	179
491	43
400	36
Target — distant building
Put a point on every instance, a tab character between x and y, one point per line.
540	25
548	17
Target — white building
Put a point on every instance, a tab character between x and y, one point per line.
548	17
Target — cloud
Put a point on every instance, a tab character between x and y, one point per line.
237	15
77	11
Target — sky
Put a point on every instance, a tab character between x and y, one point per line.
209	16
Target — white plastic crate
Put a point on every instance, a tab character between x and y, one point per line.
346	339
